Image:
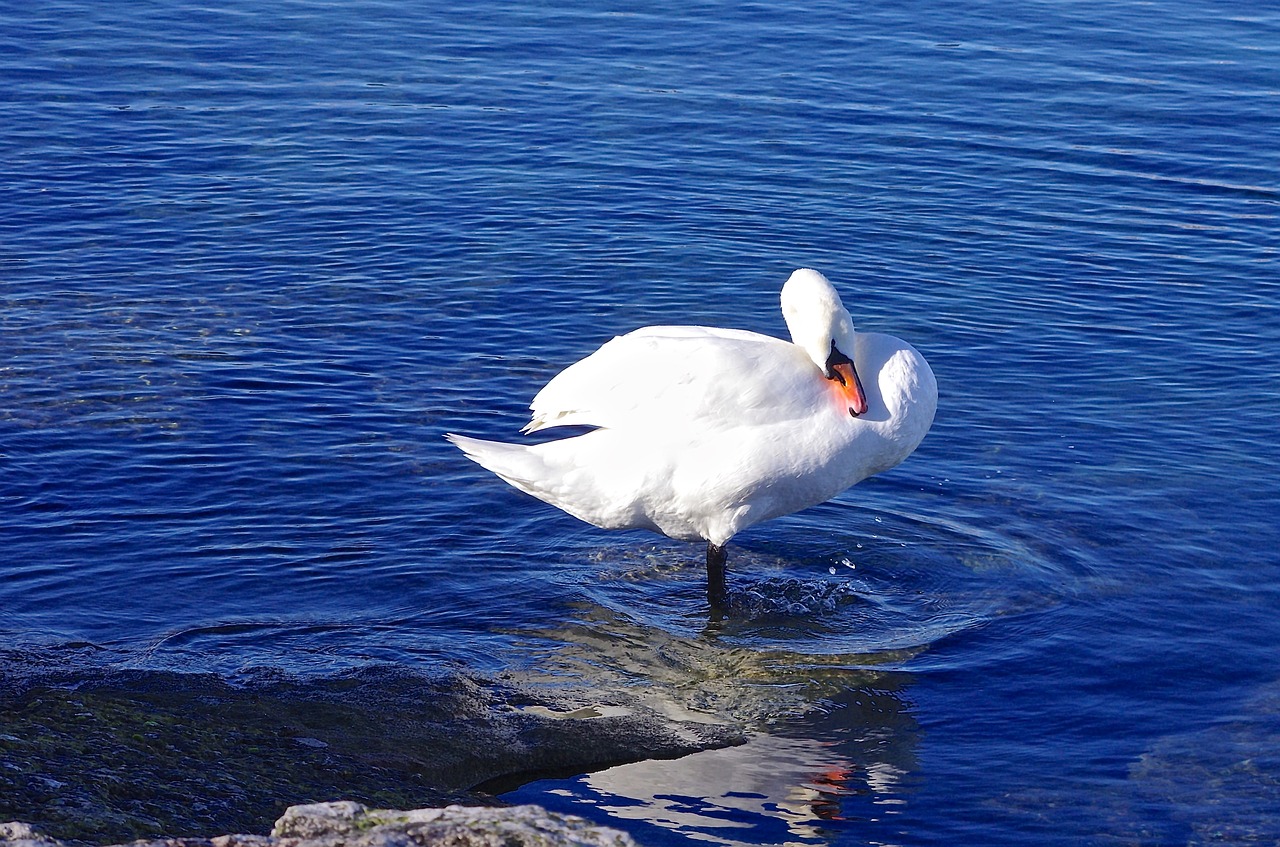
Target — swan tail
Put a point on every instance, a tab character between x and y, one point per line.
554	473
515	464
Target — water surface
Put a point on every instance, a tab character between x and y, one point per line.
255	262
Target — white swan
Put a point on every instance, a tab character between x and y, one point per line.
702	432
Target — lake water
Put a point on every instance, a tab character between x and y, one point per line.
256	259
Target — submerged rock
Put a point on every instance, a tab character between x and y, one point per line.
349	824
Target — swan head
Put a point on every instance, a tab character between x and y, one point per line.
820	325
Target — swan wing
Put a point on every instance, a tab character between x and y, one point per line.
677	376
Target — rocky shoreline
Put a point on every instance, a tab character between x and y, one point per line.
348	824
110	756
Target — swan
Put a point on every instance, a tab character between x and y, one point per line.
701	432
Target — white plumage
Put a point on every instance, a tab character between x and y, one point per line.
702	432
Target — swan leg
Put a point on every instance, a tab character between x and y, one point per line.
717	594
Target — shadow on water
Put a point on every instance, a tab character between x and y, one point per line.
815	661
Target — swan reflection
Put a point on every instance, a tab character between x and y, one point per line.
810	670
847	764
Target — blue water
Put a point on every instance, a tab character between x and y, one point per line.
256	259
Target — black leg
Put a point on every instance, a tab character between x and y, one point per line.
717	594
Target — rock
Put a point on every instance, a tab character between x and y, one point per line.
349	824
116	755
15	834
318	819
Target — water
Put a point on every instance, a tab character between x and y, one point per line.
254	262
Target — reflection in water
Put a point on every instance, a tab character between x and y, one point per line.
846	764
810	664
830	740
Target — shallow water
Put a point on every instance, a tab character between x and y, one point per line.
255	262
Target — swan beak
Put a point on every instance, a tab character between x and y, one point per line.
850	387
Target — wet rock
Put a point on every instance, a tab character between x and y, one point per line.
349	824
117	755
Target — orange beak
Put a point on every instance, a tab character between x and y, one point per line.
850	387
